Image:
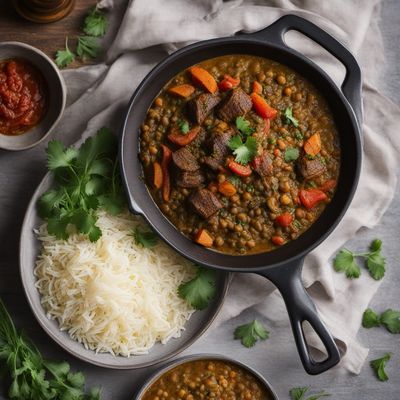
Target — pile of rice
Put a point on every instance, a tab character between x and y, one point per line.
113	295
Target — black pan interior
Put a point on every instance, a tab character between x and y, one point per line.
142	202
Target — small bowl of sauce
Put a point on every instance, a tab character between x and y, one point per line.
32	96
206	376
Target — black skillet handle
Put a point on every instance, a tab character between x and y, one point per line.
351	86
301	308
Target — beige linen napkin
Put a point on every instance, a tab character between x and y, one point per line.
98	96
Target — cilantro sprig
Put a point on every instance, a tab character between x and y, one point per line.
146	239
346	261
289	119
244	151
199	290
32	377
184	126
250	333
379	365
244	126
390	319
85	180
88	47
291	154
64	57
298	393
95	23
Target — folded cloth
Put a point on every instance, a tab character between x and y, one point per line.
98	96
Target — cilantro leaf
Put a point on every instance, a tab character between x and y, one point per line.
289	117
146	239
391	320
376	245
88	47
291	154
375	261
250	333
199	290
58	156
64	57
298	393
379	365
345	262
244	126
184	126
95	23
370	319
244	152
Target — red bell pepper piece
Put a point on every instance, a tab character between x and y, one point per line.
262	108
239	169
228	83
277	240
166	185
311	197
284	219
184	139
257	87
328	185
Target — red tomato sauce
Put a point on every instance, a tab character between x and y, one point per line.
23	96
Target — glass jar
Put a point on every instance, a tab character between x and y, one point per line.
43	11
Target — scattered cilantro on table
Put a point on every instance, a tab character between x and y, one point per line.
32	377
199	290
64	57
289	119
379	365
146	239
88	47
244	151
346	261
95	23
390	319
250	333
291	154
85	179
298	393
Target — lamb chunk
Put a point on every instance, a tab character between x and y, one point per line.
205	203
185	160
201	106
262	164
220	149
236	104
310	169
190	179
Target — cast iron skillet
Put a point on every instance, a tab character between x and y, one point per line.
282	266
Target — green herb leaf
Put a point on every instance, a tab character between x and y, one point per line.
244	152
88	47
370	319
291	154
379	365
64	57
391	320
376	245
58	156
146	239
199	290
375	261
250	333
289	117
298	393
244	126
299	136
235	180
345	262
95	23
184	126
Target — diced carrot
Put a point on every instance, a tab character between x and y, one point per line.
204	238
182	139
311	197
257	87
228	83
226	188
312	146
184	90
277	240
262	108
157	175
166	188
239	169
204	78
277	152
328	185
284	219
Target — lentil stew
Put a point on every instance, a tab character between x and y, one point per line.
207	379
240	153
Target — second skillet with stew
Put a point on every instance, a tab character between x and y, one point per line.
279	261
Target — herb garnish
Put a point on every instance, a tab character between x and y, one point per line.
30	375
289	117
199	290
244	126
85	179
291	154
184	126
64	57
250	333
88	47
379	365
95	23
146	239
346	262
390	319
244	152
298	393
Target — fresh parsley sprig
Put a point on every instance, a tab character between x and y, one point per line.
64	57
346	261
298	393
95	23
31	376
390	319
379	365
289	119
199	290
250	333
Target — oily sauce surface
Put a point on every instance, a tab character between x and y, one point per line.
23	96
